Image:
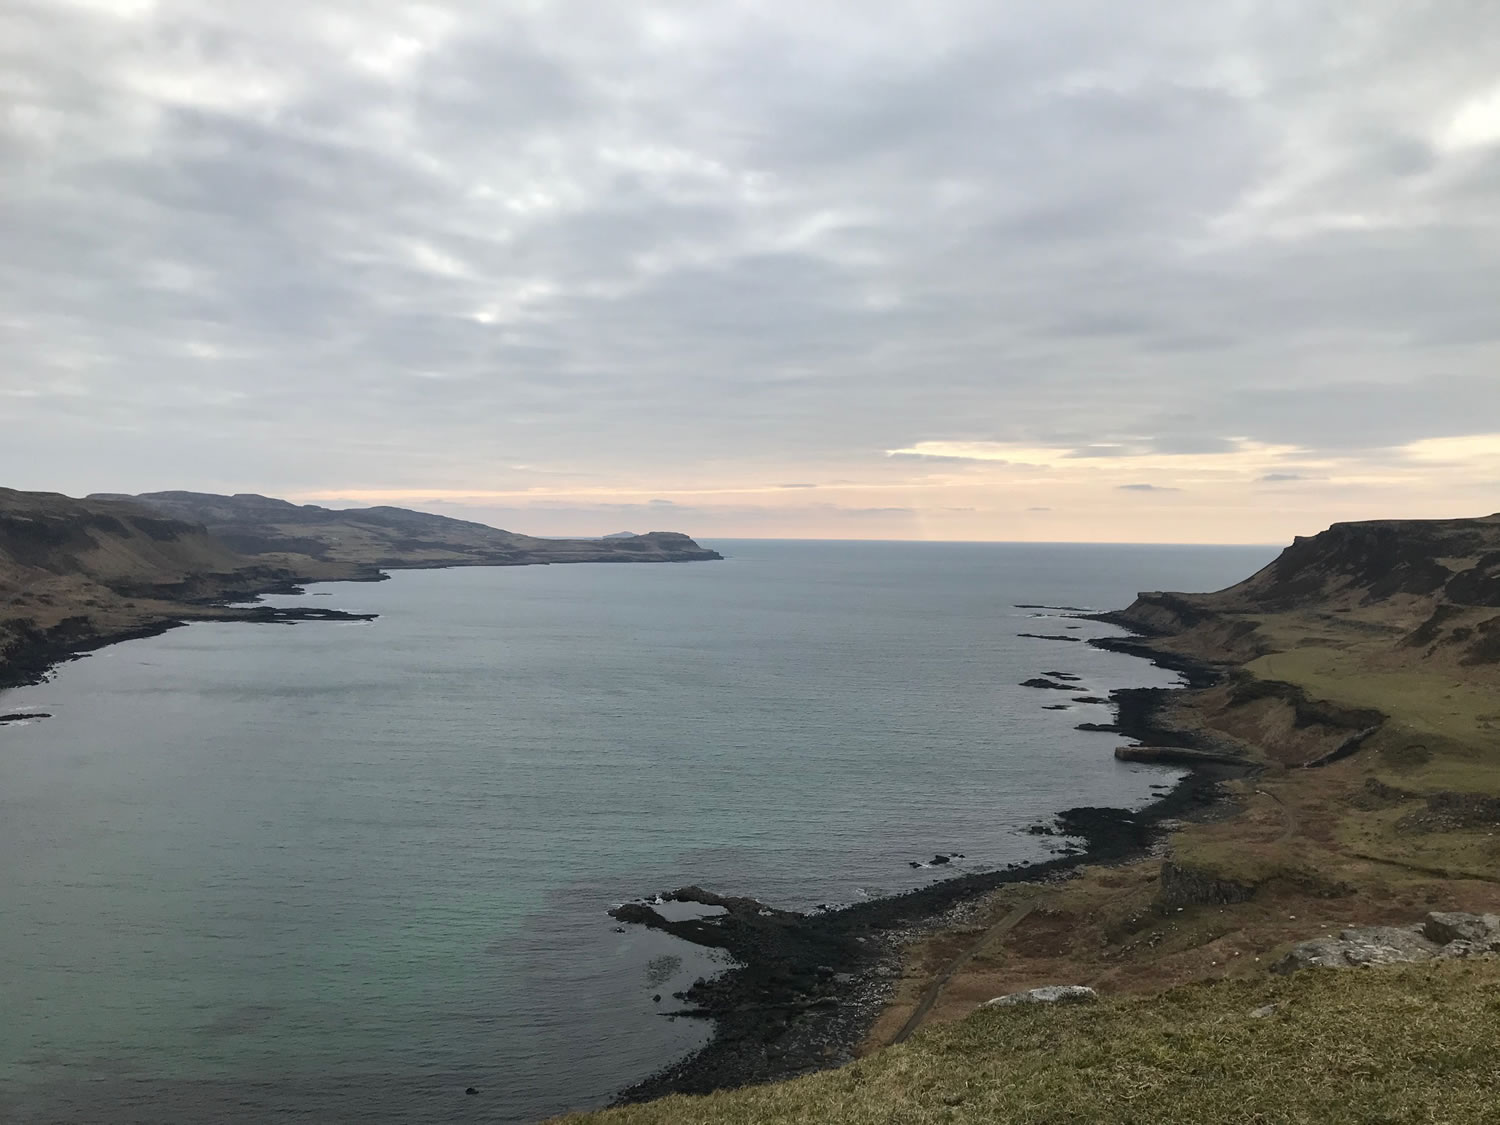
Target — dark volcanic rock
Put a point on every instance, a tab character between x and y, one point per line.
1186	886
1038	682
807	987
779	1013
1178	756
1048	637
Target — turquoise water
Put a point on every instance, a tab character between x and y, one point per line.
334	872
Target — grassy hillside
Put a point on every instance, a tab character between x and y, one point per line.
1393	1044
78	573
1414	591
74	573
110	543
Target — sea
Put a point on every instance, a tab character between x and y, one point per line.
332	872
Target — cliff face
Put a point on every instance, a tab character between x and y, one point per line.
1362	564
395	538
1431	587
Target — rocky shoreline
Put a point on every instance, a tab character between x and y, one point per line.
76	575
31	653
807	988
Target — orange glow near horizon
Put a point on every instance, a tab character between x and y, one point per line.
986	491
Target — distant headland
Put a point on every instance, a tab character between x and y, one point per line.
77	574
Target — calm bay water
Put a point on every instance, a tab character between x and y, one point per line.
333	872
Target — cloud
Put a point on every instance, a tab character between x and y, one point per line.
657	248
1282	477
1146	488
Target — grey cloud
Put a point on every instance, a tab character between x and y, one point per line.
248	249
1147	488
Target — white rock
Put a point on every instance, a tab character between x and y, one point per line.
1050	994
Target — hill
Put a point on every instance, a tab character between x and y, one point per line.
76	574
1339	1048
394	538
1430	587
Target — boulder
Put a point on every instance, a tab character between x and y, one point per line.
1049	994
1444	926
1360	945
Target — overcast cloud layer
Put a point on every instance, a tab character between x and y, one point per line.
1041	270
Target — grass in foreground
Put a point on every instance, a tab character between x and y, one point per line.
1396	1044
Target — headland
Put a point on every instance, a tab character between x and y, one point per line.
78	574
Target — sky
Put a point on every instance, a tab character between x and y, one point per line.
1056	270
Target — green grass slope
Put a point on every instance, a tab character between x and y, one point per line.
1393	1044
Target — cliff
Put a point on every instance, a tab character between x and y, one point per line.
1427	591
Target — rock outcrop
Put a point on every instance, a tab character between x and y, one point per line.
1382	574
1180	886
1048	994
1442	935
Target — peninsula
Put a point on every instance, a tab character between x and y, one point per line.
77	574
1341	729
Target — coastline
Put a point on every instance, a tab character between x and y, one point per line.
31	653
808	988
79	574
